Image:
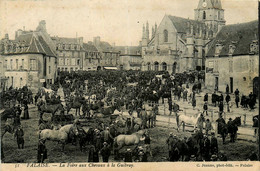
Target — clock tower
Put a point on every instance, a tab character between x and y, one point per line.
211	13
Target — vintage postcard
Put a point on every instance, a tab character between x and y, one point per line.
129	84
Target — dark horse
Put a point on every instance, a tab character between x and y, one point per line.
44	108
233	128
76	104
224	129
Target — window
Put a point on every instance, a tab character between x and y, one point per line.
22	67
6	64
204	15
89	60
68	61
164	66
156	66
78	62
165	34
16	64
219	15
49	69
32	64
11	64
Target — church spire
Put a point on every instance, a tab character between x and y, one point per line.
144	36
147	31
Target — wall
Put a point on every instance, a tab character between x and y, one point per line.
244	70
25	76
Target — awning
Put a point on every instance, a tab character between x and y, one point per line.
110	68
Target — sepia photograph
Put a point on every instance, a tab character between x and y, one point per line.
128	81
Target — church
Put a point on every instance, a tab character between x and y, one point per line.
181	44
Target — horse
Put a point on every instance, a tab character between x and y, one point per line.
193	120
44	108
108	111
232	128
128	140
76	104
222	129
148	115
8	113
62	135
5	129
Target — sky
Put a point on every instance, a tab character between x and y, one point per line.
115	21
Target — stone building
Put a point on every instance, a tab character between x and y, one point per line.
70	53
29	59
109	56
233	59
92	57
130	57
180	44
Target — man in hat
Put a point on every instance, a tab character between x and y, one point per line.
208	126
106	136
97	139
105	152
147	143
128	156
205	148
213	144
228	100
205	108
19	136
171	140
42	151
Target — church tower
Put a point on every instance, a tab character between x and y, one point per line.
211	13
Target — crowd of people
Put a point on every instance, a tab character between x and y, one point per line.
130	90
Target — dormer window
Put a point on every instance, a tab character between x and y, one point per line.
218	49
231	49
254	47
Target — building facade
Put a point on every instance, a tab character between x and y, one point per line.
70	53
29	60
109	56
130	57
180	44
233	59
92	57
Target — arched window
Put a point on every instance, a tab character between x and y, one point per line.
165	34
148	66
164	66
204	15
156	66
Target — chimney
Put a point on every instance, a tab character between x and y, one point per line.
6	36
126	50
96	41
80	40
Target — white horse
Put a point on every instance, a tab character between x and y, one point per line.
192	120
128	140
61	135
